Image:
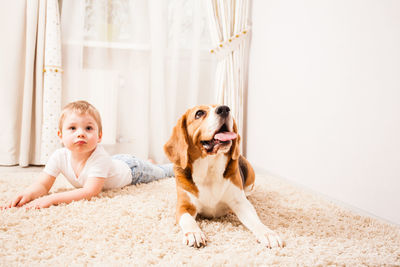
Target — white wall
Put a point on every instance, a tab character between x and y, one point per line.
324	98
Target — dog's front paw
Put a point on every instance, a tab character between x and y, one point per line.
269	238
195	239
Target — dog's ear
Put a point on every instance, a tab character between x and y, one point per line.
236	143
177	146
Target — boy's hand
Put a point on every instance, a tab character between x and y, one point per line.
20	200
33	199
39	203
40	188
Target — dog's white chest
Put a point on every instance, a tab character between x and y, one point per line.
213	188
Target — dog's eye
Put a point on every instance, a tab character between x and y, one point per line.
199	114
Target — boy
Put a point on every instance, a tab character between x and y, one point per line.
85	163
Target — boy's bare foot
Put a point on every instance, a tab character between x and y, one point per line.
151	161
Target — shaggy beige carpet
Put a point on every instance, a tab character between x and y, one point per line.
136	226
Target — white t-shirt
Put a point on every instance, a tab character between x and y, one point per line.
116	172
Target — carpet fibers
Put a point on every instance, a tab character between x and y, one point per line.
135	226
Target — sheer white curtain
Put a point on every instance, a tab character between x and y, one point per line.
30	99
229	27
141	63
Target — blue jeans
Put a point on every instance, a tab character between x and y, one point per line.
144	171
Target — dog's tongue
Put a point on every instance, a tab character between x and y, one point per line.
225	136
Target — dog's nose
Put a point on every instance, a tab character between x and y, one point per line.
223	111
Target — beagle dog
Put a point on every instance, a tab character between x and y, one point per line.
211	175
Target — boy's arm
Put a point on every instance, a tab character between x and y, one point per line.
91	188
40	188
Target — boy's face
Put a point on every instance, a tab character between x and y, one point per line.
80	133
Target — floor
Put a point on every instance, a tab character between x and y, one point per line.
7	169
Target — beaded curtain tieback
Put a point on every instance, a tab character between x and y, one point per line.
51	68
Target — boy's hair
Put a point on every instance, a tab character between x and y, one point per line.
81	107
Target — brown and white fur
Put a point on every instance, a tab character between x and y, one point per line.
211	175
